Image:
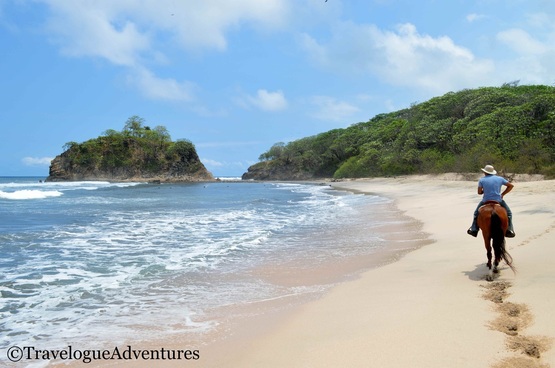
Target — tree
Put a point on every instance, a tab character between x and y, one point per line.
511	125
183	149
69	145
134	126
275	152
162	133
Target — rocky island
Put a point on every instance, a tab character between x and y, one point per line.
137	153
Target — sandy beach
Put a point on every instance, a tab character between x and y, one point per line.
432	308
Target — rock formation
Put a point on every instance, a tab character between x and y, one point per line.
136	154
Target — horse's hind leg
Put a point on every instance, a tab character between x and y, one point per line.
484	222
489	277
488	251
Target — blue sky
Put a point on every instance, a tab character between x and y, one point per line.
237	76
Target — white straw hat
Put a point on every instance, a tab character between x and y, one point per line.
489	170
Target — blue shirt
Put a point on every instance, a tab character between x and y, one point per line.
492	187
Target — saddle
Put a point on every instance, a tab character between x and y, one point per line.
490	203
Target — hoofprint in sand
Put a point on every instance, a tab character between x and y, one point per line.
432	308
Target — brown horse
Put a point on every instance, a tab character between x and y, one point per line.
493	221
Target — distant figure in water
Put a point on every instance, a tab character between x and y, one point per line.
490	186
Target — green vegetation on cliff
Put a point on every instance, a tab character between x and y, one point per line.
512	127
136	152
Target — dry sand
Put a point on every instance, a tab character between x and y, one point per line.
432	308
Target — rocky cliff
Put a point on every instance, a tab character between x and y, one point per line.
268	170
63	168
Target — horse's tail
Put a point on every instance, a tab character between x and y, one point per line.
498	237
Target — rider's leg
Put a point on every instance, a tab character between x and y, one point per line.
473	230
510	231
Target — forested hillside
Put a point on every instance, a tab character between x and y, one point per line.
511	127
136	153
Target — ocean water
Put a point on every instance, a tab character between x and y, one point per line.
97	261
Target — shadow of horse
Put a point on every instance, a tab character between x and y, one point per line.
477	274
480	273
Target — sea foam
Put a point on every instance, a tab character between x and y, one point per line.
30	194
128	255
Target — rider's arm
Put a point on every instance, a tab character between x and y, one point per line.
480	190
509	187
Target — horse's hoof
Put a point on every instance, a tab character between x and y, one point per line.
495	270
489	278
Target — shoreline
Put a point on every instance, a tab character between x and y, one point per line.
308	280
426	309
431	308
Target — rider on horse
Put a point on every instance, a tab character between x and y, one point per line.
490	186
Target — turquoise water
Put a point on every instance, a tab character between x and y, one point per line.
100	261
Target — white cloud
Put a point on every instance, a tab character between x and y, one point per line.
521	42
92	29
36	161
267	101
161	89
128	33
222	166
212	163
471	18
130	24
402	57
390	106
533	60
203	24
540	20
329	108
